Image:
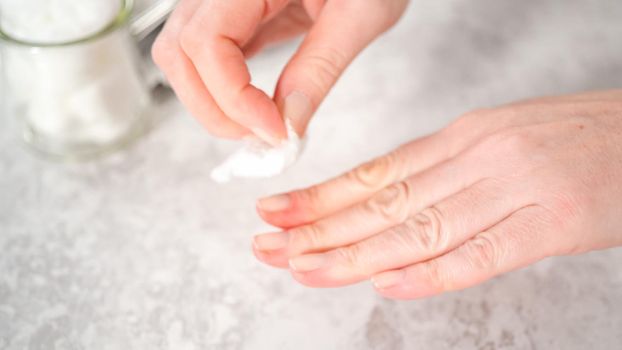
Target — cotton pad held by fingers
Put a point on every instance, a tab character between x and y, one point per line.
258	159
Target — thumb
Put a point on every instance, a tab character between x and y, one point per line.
342	30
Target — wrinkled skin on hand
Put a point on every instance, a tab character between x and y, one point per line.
203	48
496	190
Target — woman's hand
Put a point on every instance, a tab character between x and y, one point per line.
203	46
496	190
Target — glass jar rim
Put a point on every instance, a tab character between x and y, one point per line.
118	21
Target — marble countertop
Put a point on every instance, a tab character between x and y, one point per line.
140	250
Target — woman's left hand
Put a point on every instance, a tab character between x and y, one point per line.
496	190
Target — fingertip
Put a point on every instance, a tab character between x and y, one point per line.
285	219
224	130
310	279
253	109
262	115
391	284
267	217
398	292
267	136
271	258
300	278
387	285
388	279
281	211
322	270
324	278
276	203
395	294
297	108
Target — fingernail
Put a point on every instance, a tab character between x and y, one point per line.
388	279
307	263
274	203
296	108
267	137
271	241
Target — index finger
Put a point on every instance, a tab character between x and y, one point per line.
183	77
313	203
213	41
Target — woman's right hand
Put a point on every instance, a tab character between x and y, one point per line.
203	48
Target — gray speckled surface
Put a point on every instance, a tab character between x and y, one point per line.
142	251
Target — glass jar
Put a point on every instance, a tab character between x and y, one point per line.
78	98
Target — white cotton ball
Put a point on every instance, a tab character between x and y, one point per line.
258	159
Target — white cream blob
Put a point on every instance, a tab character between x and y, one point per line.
258	159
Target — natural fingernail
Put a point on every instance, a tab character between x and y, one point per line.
307	263
271	241
388	279
267	137
296	108
274	203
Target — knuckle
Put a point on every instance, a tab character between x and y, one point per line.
428	233
310	198
571	202
392	203
190	41
307	237
467	120
355	258
402	238
483	253
436	277
326	65
463	131
163	52
384	13
516	145
376	173
516	141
